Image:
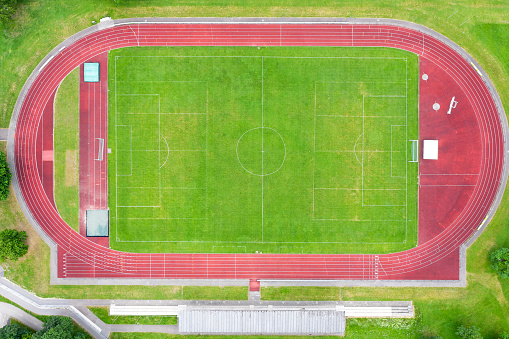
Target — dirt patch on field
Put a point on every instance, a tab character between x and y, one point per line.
71	168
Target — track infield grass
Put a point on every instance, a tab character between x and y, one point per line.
276	150
66	148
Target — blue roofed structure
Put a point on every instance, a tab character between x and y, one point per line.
91	72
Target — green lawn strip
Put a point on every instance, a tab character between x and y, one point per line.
195	171
438	310
300	293
43	318
40	317
66	149
355	328
215	293
103	314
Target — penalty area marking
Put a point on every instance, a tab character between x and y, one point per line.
161	163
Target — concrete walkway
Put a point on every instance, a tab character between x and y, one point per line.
4	133
78	311
20	315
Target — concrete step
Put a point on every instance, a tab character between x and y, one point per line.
254	295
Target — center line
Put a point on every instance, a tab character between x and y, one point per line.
262	149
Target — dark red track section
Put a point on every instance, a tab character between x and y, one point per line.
432	259
93	134
44	149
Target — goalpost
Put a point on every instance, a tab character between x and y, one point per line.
414	151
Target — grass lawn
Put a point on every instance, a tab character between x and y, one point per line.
278	150
103	314
66	149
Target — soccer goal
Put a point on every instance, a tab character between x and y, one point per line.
414	151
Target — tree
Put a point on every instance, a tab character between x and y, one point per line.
13	331
56	327
430	336
500	261
468	332
5	173
6	10
12	245
503	335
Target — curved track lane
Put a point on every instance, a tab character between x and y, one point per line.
262	266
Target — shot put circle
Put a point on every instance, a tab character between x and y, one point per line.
261	151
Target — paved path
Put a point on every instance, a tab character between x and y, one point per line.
78	311
4	132
20	315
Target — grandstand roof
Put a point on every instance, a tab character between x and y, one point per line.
272	322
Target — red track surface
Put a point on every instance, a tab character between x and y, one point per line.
44	149
79	257
93	126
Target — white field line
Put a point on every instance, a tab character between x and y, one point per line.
275	242
219	246
353	151
263	174
354	148
262	137
314	157
356	189
254	56
358	116
461	174
167	150
159	151
406	153
169	218
175	81
159	139
116	156
364	116
168	188
207	154
184	113
362	154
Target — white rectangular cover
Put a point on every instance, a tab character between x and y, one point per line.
430	149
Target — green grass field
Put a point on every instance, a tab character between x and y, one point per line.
278	150
66	146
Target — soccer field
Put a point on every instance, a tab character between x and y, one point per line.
275	150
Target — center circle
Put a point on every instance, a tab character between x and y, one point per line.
261	151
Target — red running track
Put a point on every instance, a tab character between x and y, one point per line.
80	257
44	149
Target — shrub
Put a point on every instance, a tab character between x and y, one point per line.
12	244
500	261
469	332
5	173
56	327
13	331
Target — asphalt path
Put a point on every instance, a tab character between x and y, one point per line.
20	315
4	133
78	310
